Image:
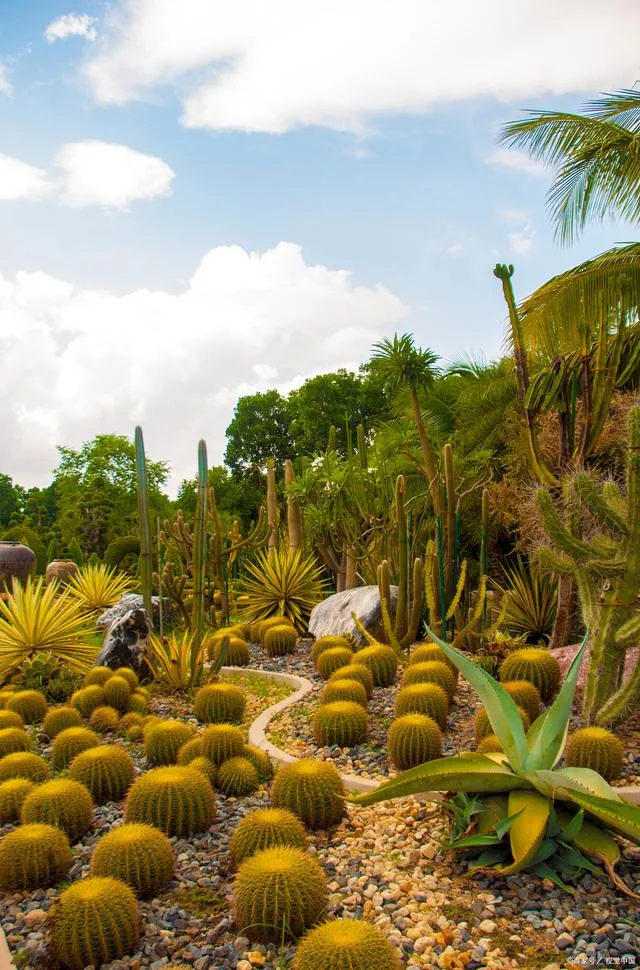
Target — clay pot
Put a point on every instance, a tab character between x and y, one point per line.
61	570
17	562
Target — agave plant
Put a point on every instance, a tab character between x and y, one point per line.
529	602
37	619
525	813
177	662
283	584
98	587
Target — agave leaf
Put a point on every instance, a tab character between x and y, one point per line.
621	816
546	872
473	774
528	830
500	706
546	849
496	808
505	824
547	736
570	856
585	779
489	858
472	841
222	654
596	842
571	825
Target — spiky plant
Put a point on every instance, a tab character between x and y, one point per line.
312	790
178	800
220	704
490	744
427	653
280	640
129	675
98	675
595	748
346	944
33	857
177	660
269	623
13	792
344	690
138	703
94	922
62	802
237	651
104	719
260	761
221	742
31	705
128	720
192	749
60	718
87	699
106	772
279	892
38	619
24	764
163	740
529	602
266	828
13	739
431	672
482	723
138	855
328	643
96	588
284	583
331	660
205	767
10	719
237	776
414	739
355	671
525	695
117	693
342	723
381	660
424	698
71	742
536	665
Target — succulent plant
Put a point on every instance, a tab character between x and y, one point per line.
357	672
62	802
431	672
280	640
206	767
535	664
13	739
104	719
60	718
98	675
94	922
312	790
106	772
331	660
237	776
426	653
117	693
328	643
260	761
31	705
220	704
279	892
266	828
595	748
71	742
192	749
237	651
381	660
345	944
424	698
163	740
269	623
343	723
221	742
344	690
135	733
490	744
525	695
10	719
139	855
24	764
87	699
414	739
254	631
33	857
13	792
129	675
178	800
482	724
128	720
138	703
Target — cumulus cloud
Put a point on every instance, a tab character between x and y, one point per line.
257	66
81	362
515	161
18	180
521	242
6	87
71	25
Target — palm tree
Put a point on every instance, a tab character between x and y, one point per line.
403	366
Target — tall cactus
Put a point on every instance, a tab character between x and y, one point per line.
607	574
200	543
294	521
272	508
402	632
146	556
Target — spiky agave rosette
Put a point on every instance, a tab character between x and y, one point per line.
524	813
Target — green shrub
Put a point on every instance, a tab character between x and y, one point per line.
343	723
31	705
117	693
279	892
33	857
237	776
328	643
220	704
129	675
312	790
10	719
106	772
431	672
381	660
266	828
71	742
163	740
331	660
23	764
595	748
13	792
425	698
357	672
482	724
414	739
260	761
13	739
104	719
525	695
221	742
537	665
178	800
94	922
280	640
98	675
60	718
344	690
139	855
87	699
346	944
62	802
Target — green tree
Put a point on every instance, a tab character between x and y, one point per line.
236	496
12	499
260	429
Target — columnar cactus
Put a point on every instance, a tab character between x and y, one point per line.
414	739
33	857
139	855
312	790
62	802
346	944
220	704
178	800
343	723
266	828
94	922
60	718
424	698
595	748
535	664
106	772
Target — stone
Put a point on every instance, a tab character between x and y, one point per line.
333	617
487	926
124	643
134	601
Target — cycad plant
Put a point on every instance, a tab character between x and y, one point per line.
98	587
283	584
516	810
36	619
529	602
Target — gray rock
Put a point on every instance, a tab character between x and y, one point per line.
134	601
124	643
332	617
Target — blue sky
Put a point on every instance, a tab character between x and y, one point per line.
232	133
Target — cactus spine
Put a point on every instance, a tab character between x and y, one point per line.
342	723
598	749
144	523
312	790
13	739
414	739
31	705
381	660
13	792
62	802
431	672
23	764
60	718
345	944
537	665
138	855
264	829
237	776
177	800
220	704
94	922
424	698
106	772
33	856
331	660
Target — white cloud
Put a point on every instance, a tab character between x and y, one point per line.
6	87
522	241
18	180
80	362
455	248
257	66
514	215
113	176
71	25
516	161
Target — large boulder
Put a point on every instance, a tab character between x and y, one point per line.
566	655
333	617
133	601
124	643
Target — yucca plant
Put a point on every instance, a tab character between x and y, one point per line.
285	584
37	619
177	661
529	602
524	813
98	587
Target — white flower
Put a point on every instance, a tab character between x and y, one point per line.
317	462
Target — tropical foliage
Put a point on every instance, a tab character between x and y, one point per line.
284	583
98	587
